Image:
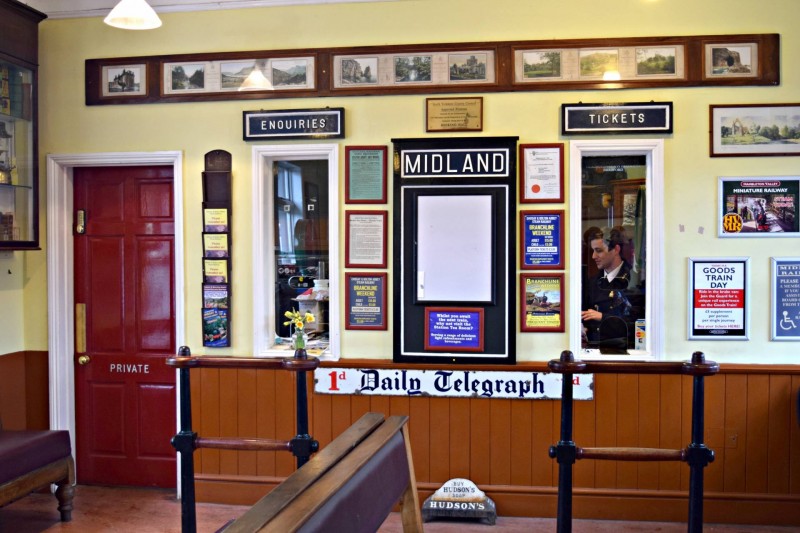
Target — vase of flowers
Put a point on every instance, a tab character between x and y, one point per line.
296	323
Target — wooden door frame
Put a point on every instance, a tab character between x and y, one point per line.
60	269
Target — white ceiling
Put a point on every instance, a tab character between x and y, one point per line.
100	8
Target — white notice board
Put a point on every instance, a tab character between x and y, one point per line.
454	248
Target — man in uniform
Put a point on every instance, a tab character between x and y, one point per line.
608	315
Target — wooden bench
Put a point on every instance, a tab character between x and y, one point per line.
31	460
350	485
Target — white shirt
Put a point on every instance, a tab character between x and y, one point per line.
613	274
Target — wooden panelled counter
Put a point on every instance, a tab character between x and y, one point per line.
502	445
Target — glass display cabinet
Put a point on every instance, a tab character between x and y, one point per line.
19	176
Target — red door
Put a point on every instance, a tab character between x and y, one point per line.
124	287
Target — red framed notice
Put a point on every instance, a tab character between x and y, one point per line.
541	173
365	300
454	329
365	239
365	174
541	240
541	302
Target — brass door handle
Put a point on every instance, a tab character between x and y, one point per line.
84	360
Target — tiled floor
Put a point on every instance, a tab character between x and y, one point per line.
102	509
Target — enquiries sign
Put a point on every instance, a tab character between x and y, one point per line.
327	123
449	383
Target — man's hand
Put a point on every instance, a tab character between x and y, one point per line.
591	314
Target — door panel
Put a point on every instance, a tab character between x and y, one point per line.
125	393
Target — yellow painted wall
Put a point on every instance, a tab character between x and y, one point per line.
68	126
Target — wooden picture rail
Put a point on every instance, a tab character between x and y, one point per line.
696	454
486	67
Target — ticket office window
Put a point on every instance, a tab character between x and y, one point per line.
295	195
616	224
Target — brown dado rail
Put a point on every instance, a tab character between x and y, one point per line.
566	452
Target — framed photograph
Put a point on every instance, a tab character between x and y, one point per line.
754	130
216	328
215	220
365	239
290	73
125	80
542	302
454	114
467	67
719	298
542	240
215	245
730	60
764	206
357	71
185	77
541	64
542	168
413	69
365	301
785	299
656	61
454	329
595	63
216	270
365	174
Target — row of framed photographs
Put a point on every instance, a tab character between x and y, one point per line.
518	65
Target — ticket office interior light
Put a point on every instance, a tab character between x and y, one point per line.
133	15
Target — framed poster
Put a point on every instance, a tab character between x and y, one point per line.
785	299
365	174
730	60
124	80
454	329
718	298
542	178
365	239
753	130
365	301
542	302
759	206
541	239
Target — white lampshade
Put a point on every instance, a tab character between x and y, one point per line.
133	15
256	81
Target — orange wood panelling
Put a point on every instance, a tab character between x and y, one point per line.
750	423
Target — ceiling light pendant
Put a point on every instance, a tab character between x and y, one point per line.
256	81
133	15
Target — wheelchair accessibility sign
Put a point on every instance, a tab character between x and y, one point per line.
785	299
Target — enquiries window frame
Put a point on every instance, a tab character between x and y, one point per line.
264	274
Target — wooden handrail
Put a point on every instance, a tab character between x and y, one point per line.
258	363
630	454
260	445
698	366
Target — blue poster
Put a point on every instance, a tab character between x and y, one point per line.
541	240
786	299
365	305
454	330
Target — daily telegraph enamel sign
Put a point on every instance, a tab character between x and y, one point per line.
449	383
